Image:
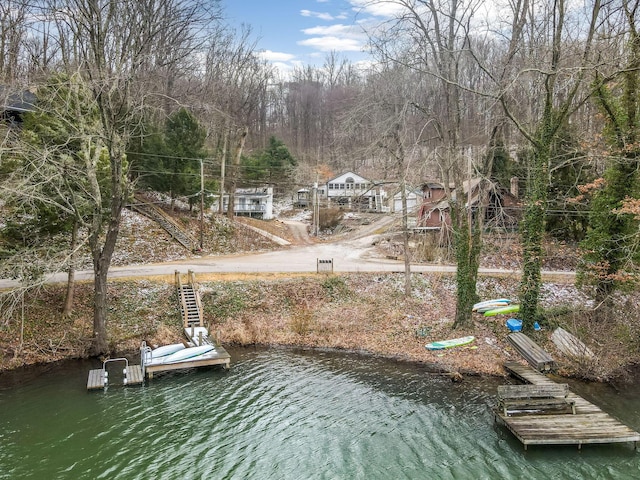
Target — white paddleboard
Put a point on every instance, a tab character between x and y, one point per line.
187	353
166	350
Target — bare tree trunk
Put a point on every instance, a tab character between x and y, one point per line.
405	240
223	164
236	172
68	301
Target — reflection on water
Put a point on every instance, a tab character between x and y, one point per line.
283	414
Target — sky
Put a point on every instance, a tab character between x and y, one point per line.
291	33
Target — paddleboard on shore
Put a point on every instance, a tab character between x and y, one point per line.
502	310
187	353
494	303
455	342
166	350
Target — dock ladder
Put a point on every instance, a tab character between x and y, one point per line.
189	298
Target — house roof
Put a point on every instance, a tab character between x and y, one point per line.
357	178
433	185
409	189
17	101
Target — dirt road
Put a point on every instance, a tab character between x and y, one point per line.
356	254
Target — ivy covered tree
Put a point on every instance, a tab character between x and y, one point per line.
567	219
611	242
502	166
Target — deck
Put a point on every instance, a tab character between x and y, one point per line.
589	425
198	335
219	356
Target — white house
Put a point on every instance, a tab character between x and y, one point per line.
249	202
352	190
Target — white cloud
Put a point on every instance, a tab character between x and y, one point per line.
338	37
320	15
337	29
271	56
331	43
377	9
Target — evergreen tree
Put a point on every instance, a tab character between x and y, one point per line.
274	166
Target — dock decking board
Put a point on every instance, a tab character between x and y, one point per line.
95	380
96	377
134	375
590	425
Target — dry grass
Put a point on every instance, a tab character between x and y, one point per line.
357	312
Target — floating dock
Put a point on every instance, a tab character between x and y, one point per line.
217	356
589	425
99	378
196	333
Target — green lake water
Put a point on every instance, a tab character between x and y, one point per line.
282	414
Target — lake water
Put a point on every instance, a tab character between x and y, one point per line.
282	414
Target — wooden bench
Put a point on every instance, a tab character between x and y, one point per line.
534	397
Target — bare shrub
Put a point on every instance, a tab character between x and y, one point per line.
329	218
301	320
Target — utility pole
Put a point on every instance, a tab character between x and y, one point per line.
201	204
316	209
222	168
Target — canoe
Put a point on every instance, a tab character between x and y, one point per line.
166	350
502	310
455	342
187	353
497	302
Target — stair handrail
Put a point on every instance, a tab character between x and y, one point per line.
159	212
196	292
185	312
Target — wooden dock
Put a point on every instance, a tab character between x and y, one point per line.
198	335
589	425
97	376
219	356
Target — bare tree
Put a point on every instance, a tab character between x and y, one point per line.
432	37
110	50
235	94
548	58
13	30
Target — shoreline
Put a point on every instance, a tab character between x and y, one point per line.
364	313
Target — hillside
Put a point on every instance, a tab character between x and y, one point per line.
361	312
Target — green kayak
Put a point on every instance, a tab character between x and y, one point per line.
502	310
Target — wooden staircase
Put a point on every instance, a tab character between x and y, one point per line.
189	299
159	216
